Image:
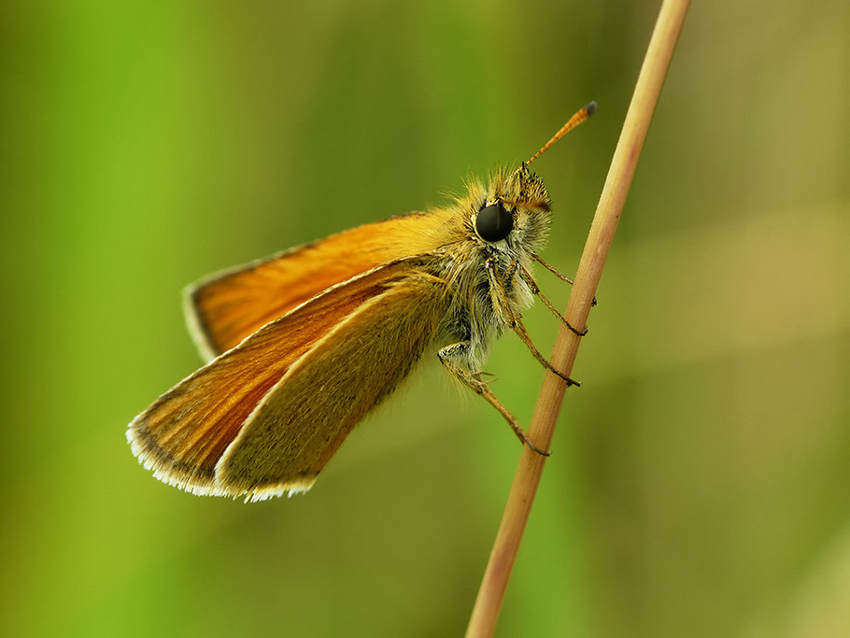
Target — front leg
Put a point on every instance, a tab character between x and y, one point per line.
535	290
503	307
448	357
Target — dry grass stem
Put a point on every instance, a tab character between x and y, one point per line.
541	429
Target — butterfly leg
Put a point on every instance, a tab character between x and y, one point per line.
535	290
480	387
503	305
553	270
519	328
557	273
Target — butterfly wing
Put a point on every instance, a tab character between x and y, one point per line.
266	416
227	307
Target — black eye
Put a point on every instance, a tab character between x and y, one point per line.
494	223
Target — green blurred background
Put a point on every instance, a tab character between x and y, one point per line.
700	481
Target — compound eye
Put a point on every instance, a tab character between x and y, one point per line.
494	223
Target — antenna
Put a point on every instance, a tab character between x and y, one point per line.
574	121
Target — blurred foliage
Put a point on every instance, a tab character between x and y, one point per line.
699	482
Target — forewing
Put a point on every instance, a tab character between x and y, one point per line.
302	421
183	435
229	306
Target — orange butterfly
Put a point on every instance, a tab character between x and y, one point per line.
306	343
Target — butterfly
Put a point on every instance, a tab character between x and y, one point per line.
303	345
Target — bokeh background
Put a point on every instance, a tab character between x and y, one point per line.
700	481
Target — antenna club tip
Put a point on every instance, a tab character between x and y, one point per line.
590	108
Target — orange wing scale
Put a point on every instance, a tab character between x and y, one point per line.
232	305
248	423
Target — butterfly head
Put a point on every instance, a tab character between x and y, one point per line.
513	214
